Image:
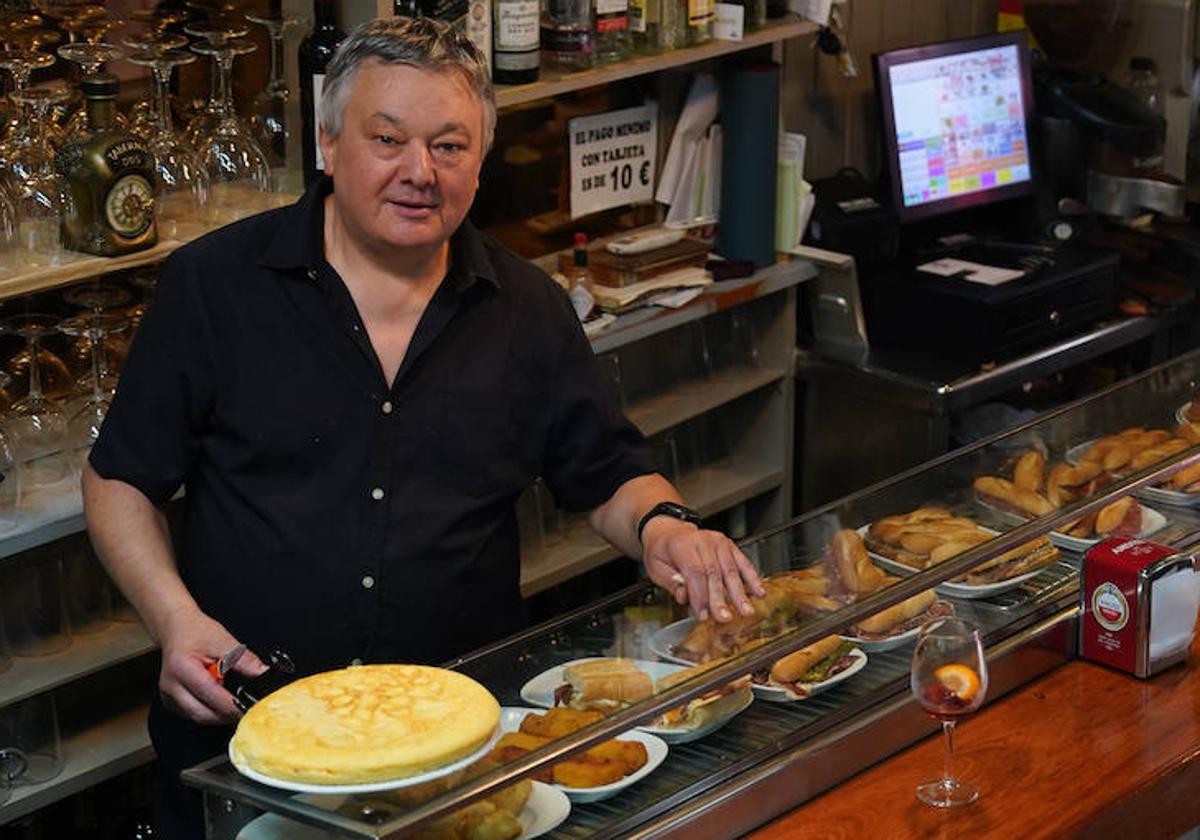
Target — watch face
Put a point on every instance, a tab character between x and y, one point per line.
129	205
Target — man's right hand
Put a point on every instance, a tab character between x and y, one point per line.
190	644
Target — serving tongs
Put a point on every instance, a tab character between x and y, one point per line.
247	691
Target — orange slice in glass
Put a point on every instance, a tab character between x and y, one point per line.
959	680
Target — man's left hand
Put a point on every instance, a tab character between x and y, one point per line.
701	568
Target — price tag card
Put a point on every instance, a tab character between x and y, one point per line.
613	159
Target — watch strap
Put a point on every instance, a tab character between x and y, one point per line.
671	509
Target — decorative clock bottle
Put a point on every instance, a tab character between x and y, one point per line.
108	180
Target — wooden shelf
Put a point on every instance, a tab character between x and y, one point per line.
692	398
553	84
90	757
88	653
709	490
29	278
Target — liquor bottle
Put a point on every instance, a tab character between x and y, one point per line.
580	278
612	31
406	8
316	50
515	42
108	180
567	36
698	18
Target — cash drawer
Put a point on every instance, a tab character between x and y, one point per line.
973	322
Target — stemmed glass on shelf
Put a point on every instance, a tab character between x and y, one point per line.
37	187
268	118
182	187
949	681
97	299
236	166
36	423
83	426
91	59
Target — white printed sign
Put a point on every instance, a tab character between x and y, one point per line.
612	159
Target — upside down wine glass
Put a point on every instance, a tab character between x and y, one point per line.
83	427
237	167
38	426
949	680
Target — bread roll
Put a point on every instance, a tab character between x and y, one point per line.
1010	496
1029	471
791	667
1123	518
885	620
721	702
605	685
858	574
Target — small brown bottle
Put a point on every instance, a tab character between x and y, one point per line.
108	180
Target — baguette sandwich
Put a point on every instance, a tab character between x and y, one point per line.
721	703
789	596
816	663
602	685
1024	558
904	616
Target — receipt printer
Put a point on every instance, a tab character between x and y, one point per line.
1139	605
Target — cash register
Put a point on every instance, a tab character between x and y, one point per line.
979	276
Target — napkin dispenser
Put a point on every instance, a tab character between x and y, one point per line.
1139	605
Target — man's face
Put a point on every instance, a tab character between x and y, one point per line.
406	164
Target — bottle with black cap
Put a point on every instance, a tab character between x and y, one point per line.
108	180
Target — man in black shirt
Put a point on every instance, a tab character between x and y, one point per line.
354	391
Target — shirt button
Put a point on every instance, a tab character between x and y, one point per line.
387	406
377	493
356	661
368	582
312	274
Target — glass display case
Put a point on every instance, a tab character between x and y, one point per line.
995	533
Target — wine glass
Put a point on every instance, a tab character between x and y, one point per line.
38	426
949	680
143	114
83	427
236	165
91	59
39	190
181	190
97	299
268	119
209	116
10	488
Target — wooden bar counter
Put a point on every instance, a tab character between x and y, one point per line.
1082	752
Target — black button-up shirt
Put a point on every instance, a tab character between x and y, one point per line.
328	513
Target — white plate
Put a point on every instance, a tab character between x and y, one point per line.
539	691
886	643
656	751
664	640
954	590
1181	414
776	693
369	787
545	809
1158	495
1152	521
684	736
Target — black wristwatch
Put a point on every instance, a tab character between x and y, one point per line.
671	509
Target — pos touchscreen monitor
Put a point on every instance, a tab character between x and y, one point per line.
957	124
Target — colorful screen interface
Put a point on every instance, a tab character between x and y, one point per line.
960	124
